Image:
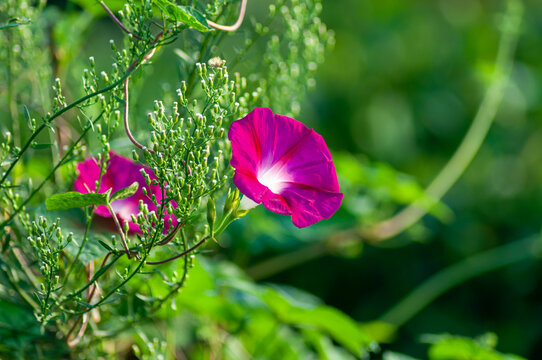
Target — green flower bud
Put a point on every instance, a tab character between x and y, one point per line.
211	213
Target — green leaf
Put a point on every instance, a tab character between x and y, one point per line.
27	116
37	146
105	245
15	22
95	9
339	326
184	14
74	199
93	248
126	192
451	347
388	355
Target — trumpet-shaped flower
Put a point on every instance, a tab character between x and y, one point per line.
120	173
286	166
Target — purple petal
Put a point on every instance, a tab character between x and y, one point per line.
120	173
285	165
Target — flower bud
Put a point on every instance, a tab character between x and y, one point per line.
211	213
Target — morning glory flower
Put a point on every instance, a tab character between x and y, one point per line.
286	166
120	173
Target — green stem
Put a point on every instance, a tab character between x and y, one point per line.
17	289
59	164
472	141
74	262
61	111
455	167
460	272
286	261
10	98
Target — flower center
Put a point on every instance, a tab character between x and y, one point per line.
275	179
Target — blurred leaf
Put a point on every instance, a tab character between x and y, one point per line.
74	199
73	222
451	347
380	331
93	249
333	322
382	183
15	22
184	14
27	117
95	9
388	355
37	146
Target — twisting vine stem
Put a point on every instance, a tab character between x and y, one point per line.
237	24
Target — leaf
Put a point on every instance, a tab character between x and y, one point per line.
93	248
15	22
37	146
184	14
95	9
451	347
388	355
74	199
339	326
105	245
27	116
126	192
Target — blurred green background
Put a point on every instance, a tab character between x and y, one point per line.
401	87
393	100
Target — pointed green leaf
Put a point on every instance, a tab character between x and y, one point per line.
27	116
126	192
37	146
184	14
75	199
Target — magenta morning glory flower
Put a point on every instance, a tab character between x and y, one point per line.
120	173
286	166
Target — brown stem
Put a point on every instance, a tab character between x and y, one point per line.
172	234
126	98
181	254
119	23
85	317
119	228
238	23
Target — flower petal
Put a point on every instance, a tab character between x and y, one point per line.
285	165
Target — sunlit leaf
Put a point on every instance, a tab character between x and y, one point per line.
184	14
74	199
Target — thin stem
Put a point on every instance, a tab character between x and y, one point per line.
126	120
119	23
181	282
99	273
181	254
85	317
77	339
460	272
237	24
119	228
126	98
17	289
172	234
59	164
288	260
12	106
74	262
59	112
